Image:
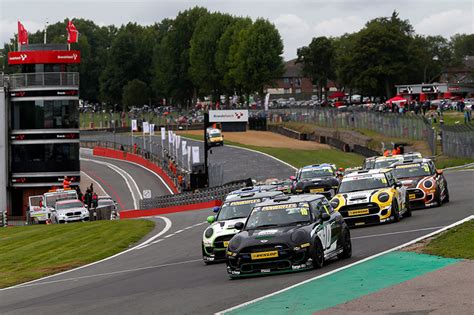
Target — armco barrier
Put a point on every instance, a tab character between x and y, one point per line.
130	214
121	155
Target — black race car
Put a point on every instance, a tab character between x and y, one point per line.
288	233
316	179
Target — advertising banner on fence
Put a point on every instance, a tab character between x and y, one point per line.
229	115
146	127
152	129
134	125
163	133
195	155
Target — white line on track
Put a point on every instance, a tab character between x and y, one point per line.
172	234
95	182
348	266
168	225
399	232
161	179
111	273
126	176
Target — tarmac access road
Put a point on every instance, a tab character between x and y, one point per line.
120	179
167	276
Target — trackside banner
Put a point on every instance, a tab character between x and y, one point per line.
44	56
229	115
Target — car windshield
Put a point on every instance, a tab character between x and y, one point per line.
314	173
412	170
215	135
51	199
365	183
385	163
236	209
69	205
278	215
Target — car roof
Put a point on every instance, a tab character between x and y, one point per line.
368	172
414	161
316	166
255	194
284	199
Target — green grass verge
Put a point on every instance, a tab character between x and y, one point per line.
299	158
447	161
32	252
457	242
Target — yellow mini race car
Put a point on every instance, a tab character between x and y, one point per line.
371	197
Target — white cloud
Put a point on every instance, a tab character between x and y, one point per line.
294	31
339	26
446	23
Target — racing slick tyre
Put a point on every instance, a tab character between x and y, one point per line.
446	198
203	254
345	238
317	254
439	201
395	212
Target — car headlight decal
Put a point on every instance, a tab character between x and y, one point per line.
383	197
298	237
234	243
209	232
428	183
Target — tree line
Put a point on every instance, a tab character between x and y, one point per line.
385	52
198	53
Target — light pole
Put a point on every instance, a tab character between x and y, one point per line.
434	58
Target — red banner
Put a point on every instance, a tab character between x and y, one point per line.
44	56
72	33
22	34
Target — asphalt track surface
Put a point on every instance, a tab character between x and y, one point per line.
237	162
115	185
168	277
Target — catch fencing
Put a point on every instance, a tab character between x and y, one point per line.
200	196
458	141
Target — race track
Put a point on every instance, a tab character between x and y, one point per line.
167	276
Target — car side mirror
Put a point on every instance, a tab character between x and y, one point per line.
398	184
239	226
216	209
439	172
325	216
211	219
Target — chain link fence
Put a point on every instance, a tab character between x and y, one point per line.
458	141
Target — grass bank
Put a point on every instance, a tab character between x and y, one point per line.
457	242
299	158
32	252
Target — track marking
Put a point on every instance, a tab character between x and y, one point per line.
471	217
124	175
393	233
110	273
95	182
172	234
161	179
168	225
255	151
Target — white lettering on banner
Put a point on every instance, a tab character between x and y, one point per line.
229	115
163	133
152	129
184	150
134	125
195	155
146	127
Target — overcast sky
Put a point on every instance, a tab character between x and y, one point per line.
297	20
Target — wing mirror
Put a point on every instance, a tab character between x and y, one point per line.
439	172
239	226
325	216
216	209
398	184
211	219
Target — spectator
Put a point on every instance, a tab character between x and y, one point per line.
95	200
88	198
134	148
91	187
121	148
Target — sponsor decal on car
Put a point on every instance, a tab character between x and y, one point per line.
316	190
264	255
358	212
279	207
245	202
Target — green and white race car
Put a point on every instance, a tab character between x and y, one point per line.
235	209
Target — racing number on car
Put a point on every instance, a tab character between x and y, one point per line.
325	235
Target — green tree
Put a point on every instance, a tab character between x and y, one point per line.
318	62
462	45
258	57
203	53
135	93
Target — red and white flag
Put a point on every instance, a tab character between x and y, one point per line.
22	34
72	33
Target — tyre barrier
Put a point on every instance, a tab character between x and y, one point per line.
3	219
